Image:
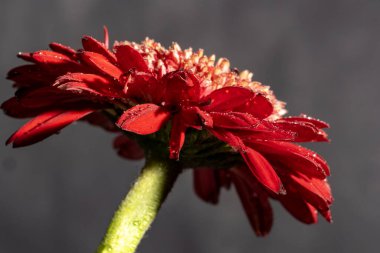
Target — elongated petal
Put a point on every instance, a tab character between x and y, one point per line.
262	170
206	184
29	75
234	120
143	119
177	137
129	58
26	56
327	215
304	131
323	188
256	206
93	84
101	63
304	118
239	99
47	96
262	132
12	107
55	64
225	178
45	125
31	103
62	49
85	78
92	45
258	106
227	98
300	209
51	57
128	148
228	137
106	36
307	190
293	157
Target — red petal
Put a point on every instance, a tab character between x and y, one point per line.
26	56
227	98
260	133
93	84
177	137
129	58
53	58
34	102
181	88
101	63
194	117
304	131
106	36
206	184
142	87
30	75
263	130
229	138
234	120
143	119
92	45
309	192
323	188
294	157
205	117
238	99
128	148
300	209
256	206
258	106
56	64
225	179
48	97
327	215
45	125
262	170
304	118
62	49
12	107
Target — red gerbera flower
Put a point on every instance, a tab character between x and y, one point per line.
211	118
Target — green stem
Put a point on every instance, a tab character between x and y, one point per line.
138	210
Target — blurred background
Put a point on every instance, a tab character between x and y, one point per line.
321	57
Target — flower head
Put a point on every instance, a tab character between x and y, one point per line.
199	111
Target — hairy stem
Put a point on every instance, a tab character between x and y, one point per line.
138	210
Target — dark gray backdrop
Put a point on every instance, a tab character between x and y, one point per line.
322	57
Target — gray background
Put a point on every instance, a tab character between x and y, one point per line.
322	57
